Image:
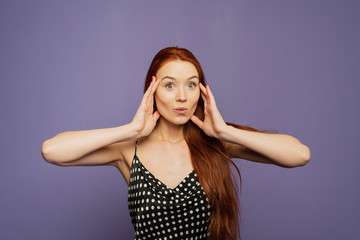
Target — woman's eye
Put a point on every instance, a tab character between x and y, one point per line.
169	85
192	85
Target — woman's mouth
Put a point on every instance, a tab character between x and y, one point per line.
181	110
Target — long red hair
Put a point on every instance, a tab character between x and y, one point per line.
211	164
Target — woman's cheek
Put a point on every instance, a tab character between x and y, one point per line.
162	101
196	98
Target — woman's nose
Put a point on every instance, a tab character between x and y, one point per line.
181	95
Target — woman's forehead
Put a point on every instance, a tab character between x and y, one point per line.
177	69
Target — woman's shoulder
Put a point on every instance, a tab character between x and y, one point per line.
129	148
126	148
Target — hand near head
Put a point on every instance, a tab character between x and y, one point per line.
145	119
213	124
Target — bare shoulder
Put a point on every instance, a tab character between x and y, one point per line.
126	151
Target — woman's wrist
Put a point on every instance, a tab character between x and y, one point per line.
127	132
230	134
225	133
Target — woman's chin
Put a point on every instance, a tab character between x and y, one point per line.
178	120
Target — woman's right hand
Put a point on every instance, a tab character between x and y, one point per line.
145	118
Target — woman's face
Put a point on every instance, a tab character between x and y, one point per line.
178	92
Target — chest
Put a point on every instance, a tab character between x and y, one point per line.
169	164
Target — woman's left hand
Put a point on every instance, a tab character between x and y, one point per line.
213	124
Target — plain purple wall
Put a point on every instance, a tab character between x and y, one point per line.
74	65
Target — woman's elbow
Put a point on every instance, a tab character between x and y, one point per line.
306	155
303	158
48	153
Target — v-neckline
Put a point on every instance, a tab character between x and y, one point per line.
152	175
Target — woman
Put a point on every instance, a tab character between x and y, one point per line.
175	155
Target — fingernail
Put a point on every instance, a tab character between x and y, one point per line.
150	84
209	85
153	78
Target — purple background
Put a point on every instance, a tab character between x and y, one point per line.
286	65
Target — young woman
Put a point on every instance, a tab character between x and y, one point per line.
176	154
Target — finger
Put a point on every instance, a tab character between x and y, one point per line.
148	95
197	121
148	90
210	95
206	92
202	88
152	84
155	86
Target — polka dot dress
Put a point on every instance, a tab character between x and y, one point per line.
159	212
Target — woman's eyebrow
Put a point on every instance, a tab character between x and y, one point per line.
172	78
168	77
193	77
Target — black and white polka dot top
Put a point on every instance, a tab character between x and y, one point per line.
160	212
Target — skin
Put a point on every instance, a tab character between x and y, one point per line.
161	147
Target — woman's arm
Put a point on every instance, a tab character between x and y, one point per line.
279	149
101	146
96	145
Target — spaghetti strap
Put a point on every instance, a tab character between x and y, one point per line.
136	146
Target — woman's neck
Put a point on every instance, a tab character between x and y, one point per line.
166	131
